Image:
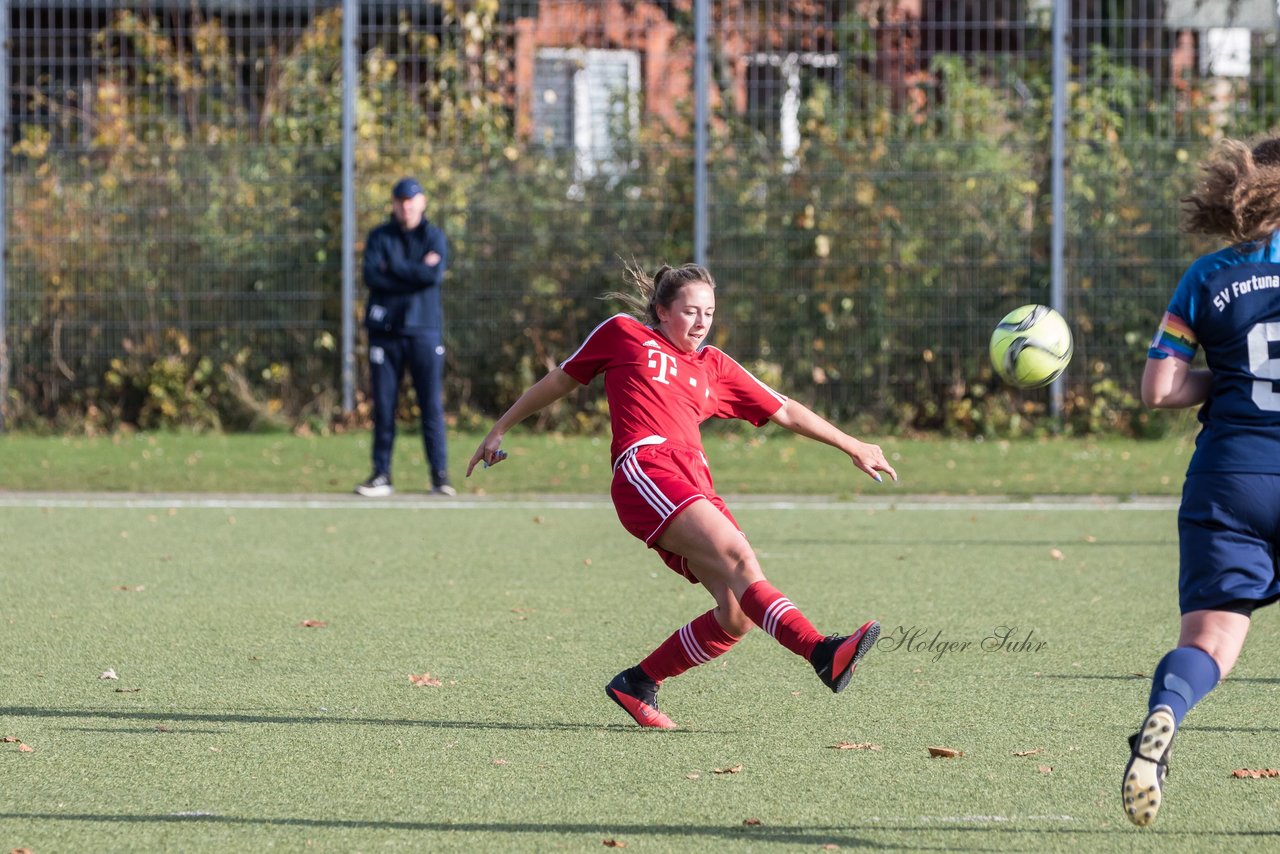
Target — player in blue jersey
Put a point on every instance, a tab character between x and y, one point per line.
1228	304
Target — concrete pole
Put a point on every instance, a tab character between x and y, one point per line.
1057	243
701	96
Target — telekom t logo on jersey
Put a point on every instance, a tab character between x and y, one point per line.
665	365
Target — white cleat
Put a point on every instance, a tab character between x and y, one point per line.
1142	791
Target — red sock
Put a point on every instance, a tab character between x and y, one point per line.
701	640
774	613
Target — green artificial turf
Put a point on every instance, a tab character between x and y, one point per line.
234	727
769	461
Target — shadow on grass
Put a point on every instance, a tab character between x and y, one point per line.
153	730
1231	729
622	832
243	718
951	542
1120	677
1133	677
845	837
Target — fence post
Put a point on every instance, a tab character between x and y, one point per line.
701	71
350	20
1057	273
4	212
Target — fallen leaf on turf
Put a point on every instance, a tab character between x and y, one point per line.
1255	773
162	728
128	690
22	851
313	624
1056	554
734	770
109	673
26	748
1090	538
831	846
694	776
1045	769
499	762
426	680
614	843
1028	752
586	561
11	739
860	745
127	589
751	822
945	752
537	520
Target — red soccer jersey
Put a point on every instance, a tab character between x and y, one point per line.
655	390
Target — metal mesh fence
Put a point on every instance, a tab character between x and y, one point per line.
879	189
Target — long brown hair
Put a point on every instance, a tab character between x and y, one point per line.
647	293
1238	196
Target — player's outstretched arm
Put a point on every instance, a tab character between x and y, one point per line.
1172	384
803	421
540	395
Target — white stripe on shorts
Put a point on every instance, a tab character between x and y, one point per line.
648	490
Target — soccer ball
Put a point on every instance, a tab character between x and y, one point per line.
1031	346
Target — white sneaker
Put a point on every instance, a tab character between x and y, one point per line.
1143	787
444	489
377	486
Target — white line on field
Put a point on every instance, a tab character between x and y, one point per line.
426	502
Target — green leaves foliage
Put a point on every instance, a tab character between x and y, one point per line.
175	261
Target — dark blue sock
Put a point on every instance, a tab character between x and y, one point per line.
1182	679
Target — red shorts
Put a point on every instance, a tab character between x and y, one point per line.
652	484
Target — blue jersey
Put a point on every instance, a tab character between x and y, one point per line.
1228	302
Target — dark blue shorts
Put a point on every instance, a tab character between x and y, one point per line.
1228	530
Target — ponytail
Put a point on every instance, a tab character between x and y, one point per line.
647	293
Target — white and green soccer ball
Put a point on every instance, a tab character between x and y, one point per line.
1031	346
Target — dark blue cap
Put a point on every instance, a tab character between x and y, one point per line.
406	188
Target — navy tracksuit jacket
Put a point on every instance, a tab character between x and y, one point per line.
404	318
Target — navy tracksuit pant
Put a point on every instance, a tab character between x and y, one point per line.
422	353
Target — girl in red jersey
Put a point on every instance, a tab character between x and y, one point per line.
662	381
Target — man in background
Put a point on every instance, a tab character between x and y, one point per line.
404	264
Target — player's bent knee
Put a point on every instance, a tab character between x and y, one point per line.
739	561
